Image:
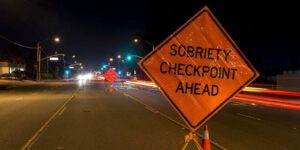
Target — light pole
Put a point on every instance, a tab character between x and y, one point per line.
53	56
136	40
38	55
140	57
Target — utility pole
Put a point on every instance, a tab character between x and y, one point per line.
47	68
38	56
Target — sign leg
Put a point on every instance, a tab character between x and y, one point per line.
191	137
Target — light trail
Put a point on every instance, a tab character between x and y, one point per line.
288	103
267	103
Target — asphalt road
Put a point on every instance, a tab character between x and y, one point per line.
66	115
238	125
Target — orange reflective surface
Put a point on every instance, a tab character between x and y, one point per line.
198	68
110	75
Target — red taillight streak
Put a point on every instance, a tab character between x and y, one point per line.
272	99
285	93
268	103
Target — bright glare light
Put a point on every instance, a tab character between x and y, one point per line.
253	89
129	57
56	39
119	56
67	72
88	76
54	58
136	40
111	59
81	82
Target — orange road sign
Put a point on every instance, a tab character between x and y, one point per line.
110	75
199	68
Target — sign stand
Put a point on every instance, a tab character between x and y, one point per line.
110	75
200	64
111	88
192	136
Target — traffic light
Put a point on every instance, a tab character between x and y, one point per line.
67	72
129	58
104	66
119	72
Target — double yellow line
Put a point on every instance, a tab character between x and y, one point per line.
37	134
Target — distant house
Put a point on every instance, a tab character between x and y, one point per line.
6	67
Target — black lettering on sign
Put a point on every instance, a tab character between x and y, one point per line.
197	89
190	51
180	88
192	69
181	50
173	49
161	67
214	90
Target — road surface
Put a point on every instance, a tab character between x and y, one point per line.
68	115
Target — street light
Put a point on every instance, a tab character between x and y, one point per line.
136	40
56	39
111	59
49	57
38	54
73	56
119	57
129	57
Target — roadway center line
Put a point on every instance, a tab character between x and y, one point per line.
155	111
37	134
62	111
248	116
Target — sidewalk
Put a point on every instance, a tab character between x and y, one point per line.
14	83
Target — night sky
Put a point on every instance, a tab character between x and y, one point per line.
266	31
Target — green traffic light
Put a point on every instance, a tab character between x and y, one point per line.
129	57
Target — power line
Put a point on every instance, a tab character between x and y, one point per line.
15	43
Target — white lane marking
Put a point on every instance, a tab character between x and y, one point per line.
238	103
241	104
247	116
151	109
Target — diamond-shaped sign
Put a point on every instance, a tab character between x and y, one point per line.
199	68
110	75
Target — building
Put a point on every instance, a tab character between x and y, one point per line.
6	67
